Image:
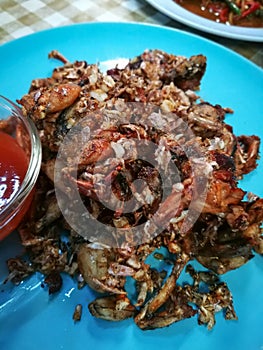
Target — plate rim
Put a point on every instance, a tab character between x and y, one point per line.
154	26
178	13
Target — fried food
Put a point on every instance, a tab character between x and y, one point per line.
225	231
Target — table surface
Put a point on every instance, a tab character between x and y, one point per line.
19	18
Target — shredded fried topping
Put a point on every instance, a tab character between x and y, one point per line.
225	234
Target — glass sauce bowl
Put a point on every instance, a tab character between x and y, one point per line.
20	161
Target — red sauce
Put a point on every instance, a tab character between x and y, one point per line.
218	11
13	168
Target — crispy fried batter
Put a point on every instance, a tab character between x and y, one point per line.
225	235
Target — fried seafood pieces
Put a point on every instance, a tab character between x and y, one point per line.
206	216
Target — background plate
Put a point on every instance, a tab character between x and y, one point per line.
171	9
30	318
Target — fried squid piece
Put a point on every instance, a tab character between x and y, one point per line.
218	297
227	242
158	65
222	193
112	308
246	154
175	309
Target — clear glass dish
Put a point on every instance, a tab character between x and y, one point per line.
22	132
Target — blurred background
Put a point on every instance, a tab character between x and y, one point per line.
19	18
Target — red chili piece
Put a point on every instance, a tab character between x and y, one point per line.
253	6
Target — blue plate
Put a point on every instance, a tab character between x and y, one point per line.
29	317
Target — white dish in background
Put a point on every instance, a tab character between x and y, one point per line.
171	9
